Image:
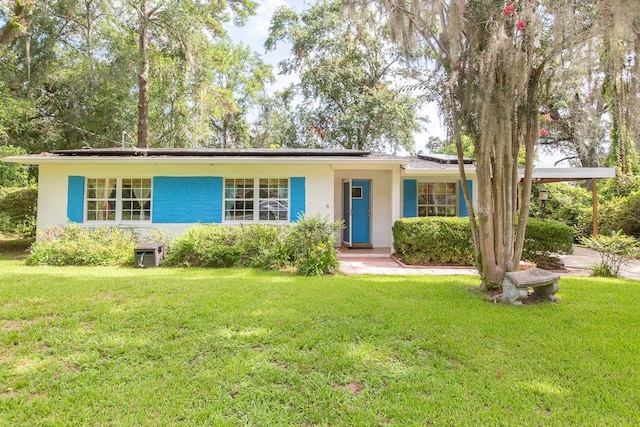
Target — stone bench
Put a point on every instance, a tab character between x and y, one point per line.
516	284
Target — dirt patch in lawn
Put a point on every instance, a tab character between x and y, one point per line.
354	388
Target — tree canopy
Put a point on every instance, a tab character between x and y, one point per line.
353	93
492	59
70	72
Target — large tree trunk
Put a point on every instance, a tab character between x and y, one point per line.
143	75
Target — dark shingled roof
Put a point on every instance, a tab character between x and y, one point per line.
209	152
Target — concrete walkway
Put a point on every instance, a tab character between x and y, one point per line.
379	261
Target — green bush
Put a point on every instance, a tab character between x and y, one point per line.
614	250
568	203
12	174
544	237
434	241
264	246
442	241
307	244
205	246
311	242
621	213
18	207
76	245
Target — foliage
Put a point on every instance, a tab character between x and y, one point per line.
440	241
621	213
567	203
18	208
159	235
545	237
254	245
168	346
614	250
69	79
433	241
492	64
12	174
205	246
311	241
77	245
307	244
349	80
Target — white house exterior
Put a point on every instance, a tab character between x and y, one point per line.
174	189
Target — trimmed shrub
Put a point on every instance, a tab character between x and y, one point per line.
76	245
448	241
544	237
434	241
18	207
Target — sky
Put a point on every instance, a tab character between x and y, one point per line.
254	33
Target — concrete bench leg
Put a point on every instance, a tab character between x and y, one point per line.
547	292
513	294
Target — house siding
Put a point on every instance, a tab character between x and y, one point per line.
187	199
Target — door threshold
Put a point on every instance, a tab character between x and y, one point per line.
361	246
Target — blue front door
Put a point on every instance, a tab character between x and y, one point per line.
360	212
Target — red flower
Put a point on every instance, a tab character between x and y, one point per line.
544	132
521	25
509	10
547	117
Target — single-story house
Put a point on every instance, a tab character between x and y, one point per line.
173	189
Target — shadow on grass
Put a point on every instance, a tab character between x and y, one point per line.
14	248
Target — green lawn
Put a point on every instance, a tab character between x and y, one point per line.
103	346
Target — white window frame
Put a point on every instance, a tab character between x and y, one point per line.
256	202
119	206
454	205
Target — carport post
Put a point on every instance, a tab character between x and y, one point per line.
594	201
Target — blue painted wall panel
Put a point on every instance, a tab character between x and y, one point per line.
75	199
298	198
187	199
410	198
462	205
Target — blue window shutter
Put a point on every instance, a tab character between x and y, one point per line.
187	199
462	205
298	198
410	198
75	199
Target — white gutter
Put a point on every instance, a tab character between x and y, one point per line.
570	174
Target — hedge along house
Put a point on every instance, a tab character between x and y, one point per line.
174	189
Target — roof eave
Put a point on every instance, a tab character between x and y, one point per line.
38	160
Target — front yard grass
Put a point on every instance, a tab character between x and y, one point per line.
105	346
